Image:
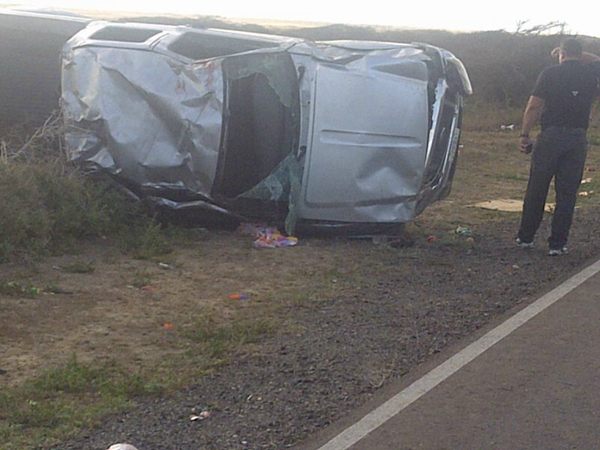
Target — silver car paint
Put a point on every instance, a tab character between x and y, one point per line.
365	142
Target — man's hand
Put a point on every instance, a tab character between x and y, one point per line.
525	144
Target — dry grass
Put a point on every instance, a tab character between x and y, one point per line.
47	205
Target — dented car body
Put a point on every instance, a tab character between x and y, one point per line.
265	127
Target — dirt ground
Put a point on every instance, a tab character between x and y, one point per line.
345	316
344	348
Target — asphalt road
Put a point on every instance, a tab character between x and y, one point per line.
537	388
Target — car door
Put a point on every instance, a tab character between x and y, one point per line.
366	155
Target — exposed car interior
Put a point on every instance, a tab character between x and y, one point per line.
260	130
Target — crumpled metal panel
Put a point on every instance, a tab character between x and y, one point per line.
144	116
365	161
368	115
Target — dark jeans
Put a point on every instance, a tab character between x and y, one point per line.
560	153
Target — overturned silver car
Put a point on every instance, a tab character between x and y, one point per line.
265	127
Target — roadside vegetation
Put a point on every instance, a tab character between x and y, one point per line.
47	206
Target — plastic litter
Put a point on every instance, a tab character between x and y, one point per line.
168	326
239	296
463	231
267	237
203	415
586	193
586	180
122	447
509	127
431	239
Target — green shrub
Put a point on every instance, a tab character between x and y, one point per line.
45	207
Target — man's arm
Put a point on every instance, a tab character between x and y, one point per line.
532	114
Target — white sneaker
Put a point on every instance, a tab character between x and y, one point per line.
558	251
525	245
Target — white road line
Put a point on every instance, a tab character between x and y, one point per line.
404	398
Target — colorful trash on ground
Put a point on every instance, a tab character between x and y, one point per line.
267	237
239	296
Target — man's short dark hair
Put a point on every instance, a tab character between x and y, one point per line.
571	47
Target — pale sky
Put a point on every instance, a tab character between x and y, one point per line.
454	15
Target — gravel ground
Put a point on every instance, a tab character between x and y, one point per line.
348	348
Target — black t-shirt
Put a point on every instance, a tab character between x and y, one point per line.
568	91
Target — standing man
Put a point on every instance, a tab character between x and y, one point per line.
562	98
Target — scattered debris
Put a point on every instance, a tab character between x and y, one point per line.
509	127
267	237
149	288
165	266
507	205
431	239
463	231
586	193
586	180
239	296
515	267
122	447
203	415
168	326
